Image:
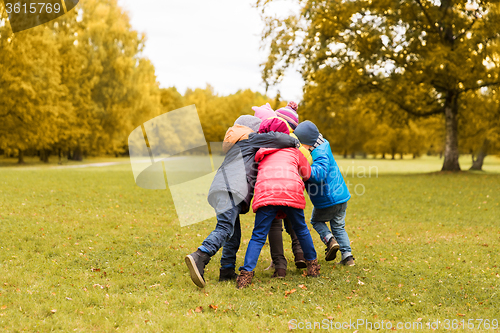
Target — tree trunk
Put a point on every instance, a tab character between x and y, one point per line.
345	153
77	154
451	149
383	156
44	156
353	155
20	157
59	153
477	164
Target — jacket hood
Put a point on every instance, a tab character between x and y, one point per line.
263	152
274	125
235	134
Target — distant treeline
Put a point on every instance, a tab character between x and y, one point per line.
79	85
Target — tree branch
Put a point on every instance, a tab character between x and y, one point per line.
431	22
489	39
488	84
468	29
402	106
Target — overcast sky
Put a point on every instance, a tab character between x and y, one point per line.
195	42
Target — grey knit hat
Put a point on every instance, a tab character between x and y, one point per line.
249	121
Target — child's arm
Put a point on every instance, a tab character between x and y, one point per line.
304	167
273	140
319	169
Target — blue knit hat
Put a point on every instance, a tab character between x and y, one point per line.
307	133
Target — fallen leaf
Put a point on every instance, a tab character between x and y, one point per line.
4	307
461	314
419	319
288	292
212	306
383	259
301	286
361	282
330	318
53	310
198	309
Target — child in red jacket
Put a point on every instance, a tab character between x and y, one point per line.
279	190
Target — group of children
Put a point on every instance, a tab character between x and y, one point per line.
280	157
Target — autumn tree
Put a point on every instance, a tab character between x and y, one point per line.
31	92
78	83
480	125
414	58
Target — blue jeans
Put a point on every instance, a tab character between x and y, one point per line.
263	220
227	234
336	216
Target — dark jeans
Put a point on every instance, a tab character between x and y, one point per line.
263	220
276	242
227	234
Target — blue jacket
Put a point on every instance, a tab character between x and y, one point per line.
326	187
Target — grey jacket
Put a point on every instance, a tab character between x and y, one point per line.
238	172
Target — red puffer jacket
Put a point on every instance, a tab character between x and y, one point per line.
279	180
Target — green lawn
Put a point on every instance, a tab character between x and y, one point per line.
85	249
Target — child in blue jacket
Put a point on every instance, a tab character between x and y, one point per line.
328	192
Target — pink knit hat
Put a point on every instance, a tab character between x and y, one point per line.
264	112
289	113
273	125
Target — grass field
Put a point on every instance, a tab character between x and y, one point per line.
85	249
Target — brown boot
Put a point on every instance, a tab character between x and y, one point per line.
300	261
244	279
313	268
349	261
331	249
279	273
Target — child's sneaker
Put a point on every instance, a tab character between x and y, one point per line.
349	261
331	249
196	263
300	261
244	279
279	273
313	268
227	274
